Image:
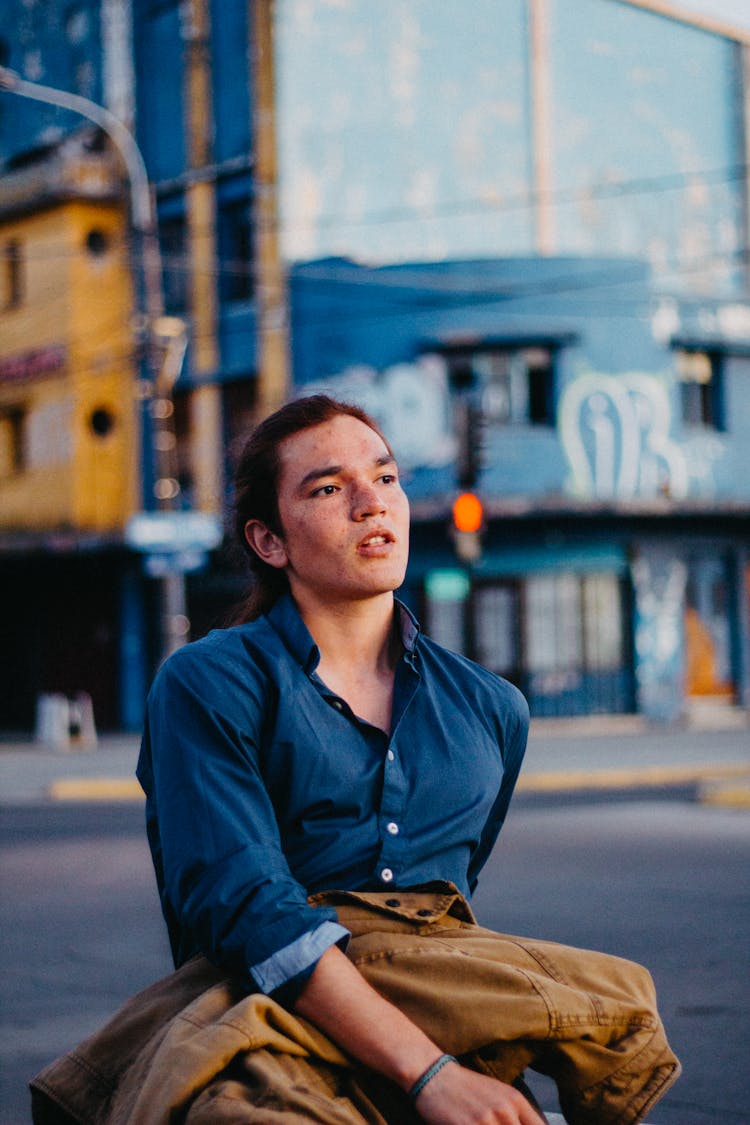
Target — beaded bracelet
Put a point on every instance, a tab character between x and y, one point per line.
429	1074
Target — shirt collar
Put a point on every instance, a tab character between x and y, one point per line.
286	620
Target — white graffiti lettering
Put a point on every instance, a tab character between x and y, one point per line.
616	432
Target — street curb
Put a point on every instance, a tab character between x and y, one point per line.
727	796
718	783
637	777
95	789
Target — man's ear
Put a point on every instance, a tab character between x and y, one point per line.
267	545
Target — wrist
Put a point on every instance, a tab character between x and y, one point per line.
427	1076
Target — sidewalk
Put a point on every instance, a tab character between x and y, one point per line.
624	753
600	753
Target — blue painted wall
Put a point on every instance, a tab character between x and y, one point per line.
404	129
160	123
570	495
406	133
57	45
617	431
647	141
231	93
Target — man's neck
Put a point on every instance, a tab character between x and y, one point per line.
354	635
359	650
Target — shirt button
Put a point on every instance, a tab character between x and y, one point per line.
386	875
392	828
391	756
337	704
393	902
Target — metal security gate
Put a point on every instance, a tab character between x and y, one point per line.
562	637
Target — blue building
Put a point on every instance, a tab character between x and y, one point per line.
606	431
551	200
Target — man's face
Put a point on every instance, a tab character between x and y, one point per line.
344	516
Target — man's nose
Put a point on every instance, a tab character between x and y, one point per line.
367	500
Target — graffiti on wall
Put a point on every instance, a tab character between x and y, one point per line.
410	401
659	583
617	435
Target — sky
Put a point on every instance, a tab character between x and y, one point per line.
732	11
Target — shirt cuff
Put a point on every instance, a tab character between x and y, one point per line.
301	954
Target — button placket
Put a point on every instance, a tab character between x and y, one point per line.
391	817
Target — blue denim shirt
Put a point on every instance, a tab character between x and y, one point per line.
262	787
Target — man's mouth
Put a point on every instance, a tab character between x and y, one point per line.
377	539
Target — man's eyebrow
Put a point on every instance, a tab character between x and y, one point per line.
334	470
316	474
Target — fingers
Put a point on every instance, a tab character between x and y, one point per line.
529	1116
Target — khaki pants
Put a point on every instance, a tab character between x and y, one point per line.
192	1049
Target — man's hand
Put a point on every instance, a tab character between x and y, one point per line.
458	1096
338	999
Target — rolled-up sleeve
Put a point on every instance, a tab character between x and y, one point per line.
225	884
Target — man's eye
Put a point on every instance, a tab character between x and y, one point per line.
325	490
389	478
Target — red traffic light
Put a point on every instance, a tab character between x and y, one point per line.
468	513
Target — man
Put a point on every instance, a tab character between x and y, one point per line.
323	786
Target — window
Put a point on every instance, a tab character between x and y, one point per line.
573	622
239	405
235	239
13	274
700	377
12	441
553	620
574	644
446	603
602	622
236	251
97	242
496	628
173	244
158	53
561	636
515	386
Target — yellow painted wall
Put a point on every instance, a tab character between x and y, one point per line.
81	302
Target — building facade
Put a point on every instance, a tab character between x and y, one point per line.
608	451
556	194
69	429
77	443
556	191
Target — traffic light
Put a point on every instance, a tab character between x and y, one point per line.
470	434
468	520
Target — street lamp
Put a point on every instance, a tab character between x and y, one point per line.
165	336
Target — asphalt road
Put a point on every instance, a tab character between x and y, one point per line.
665	881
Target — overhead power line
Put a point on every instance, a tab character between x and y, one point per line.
525	200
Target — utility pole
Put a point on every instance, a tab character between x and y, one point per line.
272	348
165	338
541	131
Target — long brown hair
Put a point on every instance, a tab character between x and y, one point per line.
256	484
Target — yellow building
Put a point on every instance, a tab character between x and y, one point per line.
70	589
68	386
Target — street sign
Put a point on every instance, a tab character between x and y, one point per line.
166	563
165	533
